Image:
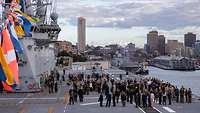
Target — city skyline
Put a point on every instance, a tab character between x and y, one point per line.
129	20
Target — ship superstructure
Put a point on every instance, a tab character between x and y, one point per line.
39	53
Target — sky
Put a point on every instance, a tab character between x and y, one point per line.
125	21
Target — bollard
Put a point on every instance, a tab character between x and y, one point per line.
50	110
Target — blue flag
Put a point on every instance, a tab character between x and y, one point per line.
26	24
22	4
2	76
14	38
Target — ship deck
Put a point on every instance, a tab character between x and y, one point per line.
55	103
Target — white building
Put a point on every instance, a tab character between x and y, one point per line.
175	63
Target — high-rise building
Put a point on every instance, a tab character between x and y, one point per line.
155	43
152	41
161	44
190	39
197	47
172	45
81	34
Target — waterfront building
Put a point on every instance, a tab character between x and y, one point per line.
81	34
175	63
190	39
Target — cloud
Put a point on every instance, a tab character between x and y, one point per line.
131	19
128	13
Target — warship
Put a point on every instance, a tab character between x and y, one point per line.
38	57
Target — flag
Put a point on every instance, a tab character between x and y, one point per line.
7	87
19	30
17	1
9	54
31	19
14	38
26	25
22	4
8	1
5	73
2	75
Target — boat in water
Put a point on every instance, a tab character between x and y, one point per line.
38	57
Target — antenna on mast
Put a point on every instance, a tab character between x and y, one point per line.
54	15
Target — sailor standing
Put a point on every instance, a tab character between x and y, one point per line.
101	100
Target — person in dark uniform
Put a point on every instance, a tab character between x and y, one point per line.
120	76
75	95
50	85
182	95
139	98
63	71
108	97
80	94
144	99
63	78
101	100
127	94
169	95
177	94
57	76
189	96
186	95
123	98
117	94
164	98
56	87
113	99
71	97
136	99
131	96
160	95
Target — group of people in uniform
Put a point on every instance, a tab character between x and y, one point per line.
143	92
51	81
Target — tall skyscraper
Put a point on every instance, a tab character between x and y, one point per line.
152	41
81	34
161	44
190	39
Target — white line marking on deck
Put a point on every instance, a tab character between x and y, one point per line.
20	102
92	103
42	98
141	109
169	109
157	109
91	97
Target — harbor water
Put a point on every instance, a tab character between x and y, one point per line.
189	79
